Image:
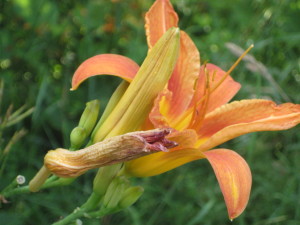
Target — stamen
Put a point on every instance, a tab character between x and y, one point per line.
195	107
197	120
232	68
193	110
214	76
226	74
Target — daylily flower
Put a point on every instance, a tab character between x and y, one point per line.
195	105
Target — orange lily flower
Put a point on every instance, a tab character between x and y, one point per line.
195	104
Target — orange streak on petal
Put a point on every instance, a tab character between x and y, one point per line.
105	64
234	177
242	117
160	17
184	76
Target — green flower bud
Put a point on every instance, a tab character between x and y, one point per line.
89	116
130	196
104	177
115	192
113	101
77	137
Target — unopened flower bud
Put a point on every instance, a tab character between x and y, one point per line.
89	116
136	103
77	137
115	192
104	177
130	196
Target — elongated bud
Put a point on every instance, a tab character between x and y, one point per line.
136	103
113	101
89	116
86	124
130	196
65	163
77	137
115	192
104	177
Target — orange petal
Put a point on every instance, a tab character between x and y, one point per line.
105	64
184	76
234	177
242	117
160	17
185	139
223	94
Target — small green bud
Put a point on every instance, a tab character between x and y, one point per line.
130	196
86	124
77	137
115	192
89	116
104	177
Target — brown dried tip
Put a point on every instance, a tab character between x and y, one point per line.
65	163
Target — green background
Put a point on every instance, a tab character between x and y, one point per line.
42	44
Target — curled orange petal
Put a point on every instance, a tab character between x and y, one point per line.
160	17
234	177
105	64
242	117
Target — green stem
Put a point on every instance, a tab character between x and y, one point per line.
89	205
58	182
92	202
103	212
19	190
51	182
73	216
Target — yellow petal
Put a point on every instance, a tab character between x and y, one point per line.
234	177
242	117
158	115
136	103
164	161
105	64
161	162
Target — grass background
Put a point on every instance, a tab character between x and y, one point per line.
43	42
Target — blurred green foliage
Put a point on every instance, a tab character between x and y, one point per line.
42	44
